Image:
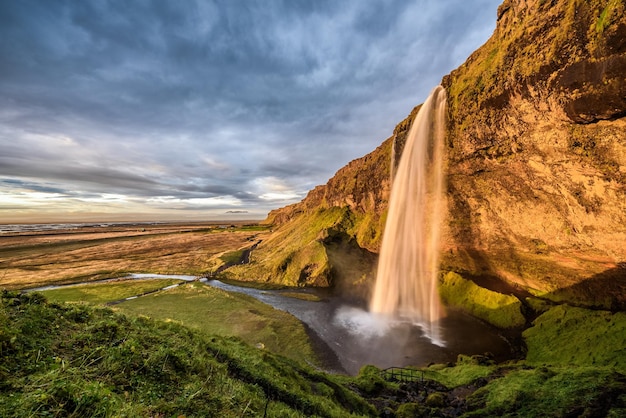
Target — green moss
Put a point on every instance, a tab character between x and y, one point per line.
370	382
462	373
409	410
605	18
549	392
539	305
501	310
567	335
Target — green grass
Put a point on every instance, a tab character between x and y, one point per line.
466	370
253	285
567	335
231	257
100	293
75	360
296	248
215	311
503	311
605	18
302	296
552	392
316	248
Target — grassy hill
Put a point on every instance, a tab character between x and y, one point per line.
75	360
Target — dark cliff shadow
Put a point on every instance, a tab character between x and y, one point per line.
606	290
353	268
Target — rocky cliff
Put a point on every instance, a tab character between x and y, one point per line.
536	163
537	151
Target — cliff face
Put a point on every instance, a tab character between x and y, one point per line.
537	149
536	162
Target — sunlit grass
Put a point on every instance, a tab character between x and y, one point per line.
31	262
75	360
215	311
99	293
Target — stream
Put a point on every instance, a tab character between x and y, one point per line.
347	337
352	337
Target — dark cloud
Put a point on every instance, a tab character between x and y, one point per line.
216	98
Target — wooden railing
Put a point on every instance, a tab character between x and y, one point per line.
400	374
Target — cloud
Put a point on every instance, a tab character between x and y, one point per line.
202	99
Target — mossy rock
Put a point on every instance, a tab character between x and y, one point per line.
436	400
503	311
567	335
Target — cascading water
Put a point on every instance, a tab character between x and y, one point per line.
406	281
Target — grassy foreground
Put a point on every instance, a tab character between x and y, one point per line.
76	360
100	293
201	307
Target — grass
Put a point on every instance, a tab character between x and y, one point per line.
100	293
605	18
503	311
201	307
293	249
552	392
33	261
315	249
302	296
570	336
466	370
77	360
215	311
74	360
231	257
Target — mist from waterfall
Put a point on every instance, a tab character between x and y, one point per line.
408	269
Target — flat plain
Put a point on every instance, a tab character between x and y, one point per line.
65	256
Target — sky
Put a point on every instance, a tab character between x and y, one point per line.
203	110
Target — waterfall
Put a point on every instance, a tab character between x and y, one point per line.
408	269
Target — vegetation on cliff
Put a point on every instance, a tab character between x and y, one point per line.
501	310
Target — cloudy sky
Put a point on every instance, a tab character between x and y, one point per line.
208	109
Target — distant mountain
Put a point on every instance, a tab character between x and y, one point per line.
536	162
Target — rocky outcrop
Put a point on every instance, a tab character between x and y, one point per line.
536	157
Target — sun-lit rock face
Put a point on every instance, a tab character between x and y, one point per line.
536	156
537	148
